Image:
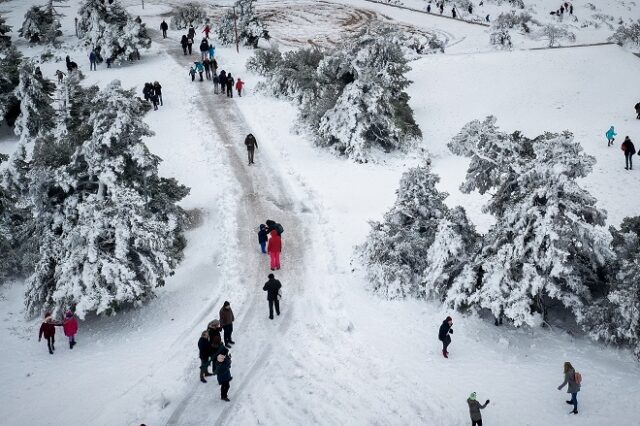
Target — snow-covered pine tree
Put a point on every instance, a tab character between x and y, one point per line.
421	244
187	14
41	24
9	261
107	28
548	243
616	318
372	111
111	230
250	28
9	76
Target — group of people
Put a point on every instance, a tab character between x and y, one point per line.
153	93
565	7
454	12
213	351
627	146
572	379
48	330
270	240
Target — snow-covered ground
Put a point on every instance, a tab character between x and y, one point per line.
339	355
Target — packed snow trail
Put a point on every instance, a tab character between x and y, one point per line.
263	195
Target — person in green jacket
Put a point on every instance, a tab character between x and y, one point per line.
474	409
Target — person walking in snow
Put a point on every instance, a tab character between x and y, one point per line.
443	335
223	373
204	49
272	287
251	144
216	83
637	108
214	66
190	44
164	27
207	68
61	75
274	247
192	73
239	86
474	409
230	82
204	353
629	150
93	59
184	42
574	385
223	81
158	89
70	327
263	237
199	68
48	329
453	12
206	31
611	135
226	321
191	33
212	51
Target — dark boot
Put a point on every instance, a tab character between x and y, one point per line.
202	379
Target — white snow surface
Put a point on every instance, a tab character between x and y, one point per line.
344	356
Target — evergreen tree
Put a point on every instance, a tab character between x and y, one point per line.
109	227
41	25
250	28
372	111
616	318
9	261
9	75
548	242
420	245
108	29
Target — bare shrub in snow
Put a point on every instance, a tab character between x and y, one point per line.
187	14
555	33
250	28
627	35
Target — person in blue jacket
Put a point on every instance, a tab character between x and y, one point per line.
263	237
212	51
223	373
611	135
199	68
93	59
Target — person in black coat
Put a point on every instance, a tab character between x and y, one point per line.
230	82
637	107
204	49
184	42
204	353
223	80
628	149
164	27
158	89
443	335
272	287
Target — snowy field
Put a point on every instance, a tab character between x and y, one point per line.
339	355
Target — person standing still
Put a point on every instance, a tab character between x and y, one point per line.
251	143
226	321
274	247
272	287
443	335
474	409
164	27
92	60
629	150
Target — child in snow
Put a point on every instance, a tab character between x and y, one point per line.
263	237
239	86
192	73
223	371
611	135
574	385
443	335
48	329
474	409
70	327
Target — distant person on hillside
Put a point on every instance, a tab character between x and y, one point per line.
272	287
70	327
443	335
263	237
629	150
611	135
48	329
637	108
441	8
223	371
470	9
164	27
61	75
93	59
226	321
572	379
252	144
474	409
429	8
453	12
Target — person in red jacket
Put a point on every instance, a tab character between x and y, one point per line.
70	327
274	248
239	87
48	329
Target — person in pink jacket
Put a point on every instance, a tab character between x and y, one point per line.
70	327
274	247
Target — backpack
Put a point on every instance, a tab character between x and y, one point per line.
279	228
577	377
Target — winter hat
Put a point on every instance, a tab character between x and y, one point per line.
220	358
449	319
226	303
270	275
262	226
472	396
214	323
